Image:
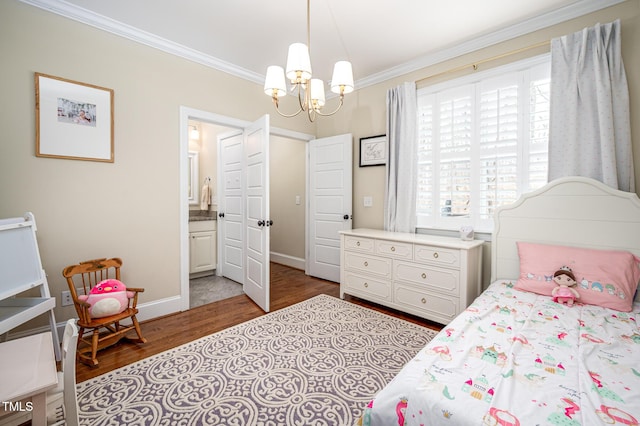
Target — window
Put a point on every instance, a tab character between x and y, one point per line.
482	142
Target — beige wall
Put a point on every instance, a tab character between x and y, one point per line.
287	180
131	208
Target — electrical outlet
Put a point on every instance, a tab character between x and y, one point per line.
66	298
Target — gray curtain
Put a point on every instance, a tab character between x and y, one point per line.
401	177
590	130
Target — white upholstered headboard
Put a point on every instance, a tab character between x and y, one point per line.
571	211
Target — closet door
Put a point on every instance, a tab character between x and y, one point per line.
230	206
257	221
330	203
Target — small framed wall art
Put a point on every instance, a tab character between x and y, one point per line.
73	120
373	151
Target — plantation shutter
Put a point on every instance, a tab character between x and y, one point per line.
455	113
424	199
498	144
481	144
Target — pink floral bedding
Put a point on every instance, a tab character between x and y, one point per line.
518	358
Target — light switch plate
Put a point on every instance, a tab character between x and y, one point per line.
368	201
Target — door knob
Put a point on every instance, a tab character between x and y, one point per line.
220	214
269	222
261	223
345	217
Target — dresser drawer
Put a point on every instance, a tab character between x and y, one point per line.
365	245
442	280
367	264
433	306
394	249
362	285
437	255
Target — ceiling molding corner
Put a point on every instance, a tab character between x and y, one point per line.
79	14
534	24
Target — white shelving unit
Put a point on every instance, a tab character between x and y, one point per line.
21	270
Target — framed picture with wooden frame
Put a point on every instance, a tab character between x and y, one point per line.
373	151
73	120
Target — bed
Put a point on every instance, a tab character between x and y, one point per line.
517	357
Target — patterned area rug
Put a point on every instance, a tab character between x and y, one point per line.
318	362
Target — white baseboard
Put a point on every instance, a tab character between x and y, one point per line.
285	259
159	308
146	311
162	307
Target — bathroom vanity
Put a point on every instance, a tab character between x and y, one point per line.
203	255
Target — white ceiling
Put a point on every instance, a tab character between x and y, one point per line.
382	38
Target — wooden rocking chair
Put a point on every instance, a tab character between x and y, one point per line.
106	331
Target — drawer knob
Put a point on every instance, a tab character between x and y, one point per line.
393	248
366	285
435	255
424	275
358	243
366	263
424	300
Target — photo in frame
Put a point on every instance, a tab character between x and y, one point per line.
373	151
73	120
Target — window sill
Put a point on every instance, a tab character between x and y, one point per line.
478	235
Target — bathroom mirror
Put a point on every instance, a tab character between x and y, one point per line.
192	184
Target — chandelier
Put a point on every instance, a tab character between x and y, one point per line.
310	91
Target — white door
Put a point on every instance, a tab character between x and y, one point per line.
330	204
257	222
230	206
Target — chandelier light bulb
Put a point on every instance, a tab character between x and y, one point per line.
342	80
317	93
310	91
274	83
298	63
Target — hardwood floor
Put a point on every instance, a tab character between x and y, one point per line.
288	286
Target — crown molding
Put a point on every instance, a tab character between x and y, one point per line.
71	11
85	16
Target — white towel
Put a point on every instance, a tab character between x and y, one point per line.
205	197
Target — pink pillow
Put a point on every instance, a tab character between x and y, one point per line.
108	297
606	278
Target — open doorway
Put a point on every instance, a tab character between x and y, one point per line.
205	286
287	210
211	125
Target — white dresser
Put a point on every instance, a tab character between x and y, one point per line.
429	276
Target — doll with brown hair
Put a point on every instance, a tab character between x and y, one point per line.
564	293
